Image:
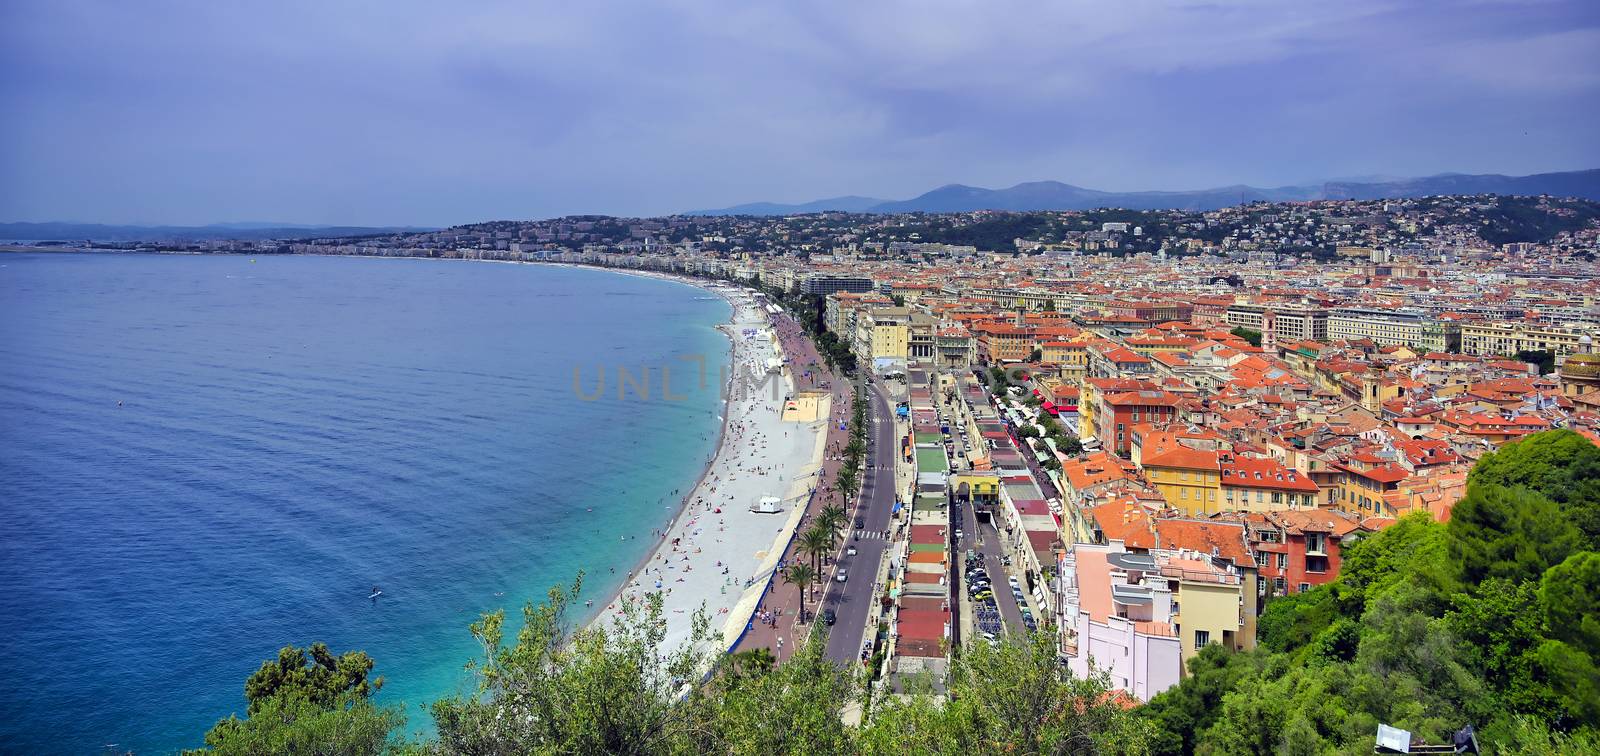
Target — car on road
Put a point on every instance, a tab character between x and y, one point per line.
860	523
828	617
850	551
841	577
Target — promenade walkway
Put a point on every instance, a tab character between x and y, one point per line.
773	625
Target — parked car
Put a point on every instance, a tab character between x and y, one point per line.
841	577
850	551
828	617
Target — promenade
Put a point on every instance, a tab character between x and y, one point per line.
773	626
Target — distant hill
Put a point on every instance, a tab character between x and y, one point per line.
1054	195
835	204
100	232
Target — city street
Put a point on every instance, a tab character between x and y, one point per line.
852	600
991	548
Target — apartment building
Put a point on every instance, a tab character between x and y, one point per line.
823	285
1510	337
882	335
1139	617
1410	328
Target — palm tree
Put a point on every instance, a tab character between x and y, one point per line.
845	480
815	543
832	517
800	575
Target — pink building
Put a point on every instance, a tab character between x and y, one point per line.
1113	621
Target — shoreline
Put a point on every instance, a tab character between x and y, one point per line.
731	598
593	614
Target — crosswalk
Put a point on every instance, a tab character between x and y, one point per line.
870	535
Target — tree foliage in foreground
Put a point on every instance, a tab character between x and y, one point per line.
308	701
616	689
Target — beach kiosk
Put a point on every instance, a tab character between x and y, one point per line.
767	505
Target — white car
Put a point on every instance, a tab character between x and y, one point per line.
840	577
851	551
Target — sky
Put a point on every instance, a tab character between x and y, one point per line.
396	112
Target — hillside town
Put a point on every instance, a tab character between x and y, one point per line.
1136	429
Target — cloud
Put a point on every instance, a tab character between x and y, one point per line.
414	112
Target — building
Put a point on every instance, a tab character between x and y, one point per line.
1280	322
882	336
818	284
1119	411
1263	484
1139	617
1298	550
1395	328
1510	337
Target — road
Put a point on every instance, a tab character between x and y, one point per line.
990	546
875	507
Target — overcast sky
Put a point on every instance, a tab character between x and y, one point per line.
434	113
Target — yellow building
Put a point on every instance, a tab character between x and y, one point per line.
1189	479
1209	612
883	333
1508	338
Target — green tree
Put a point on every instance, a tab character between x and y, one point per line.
801	576
321	680
1513	533
1181	713
1560	464
611	688
291	724
1500	627
833	519
1012	698
1569	595
309	701
795	707
1543	359
1250	335
815	542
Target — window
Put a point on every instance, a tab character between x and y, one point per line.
1316	564
1303	588
1261	558
1283	561
1316	543
1202	638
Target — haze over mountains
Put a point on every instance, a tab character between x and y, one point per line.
1054	195
64	231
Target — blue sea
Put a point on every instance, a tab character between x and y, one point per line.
205	458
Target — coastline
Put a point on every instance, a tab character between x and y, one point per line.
731	595
592	615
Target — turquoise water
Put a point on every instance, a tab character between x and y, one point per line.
293	431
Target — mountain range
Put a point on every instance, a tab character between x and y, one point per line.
1054	195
